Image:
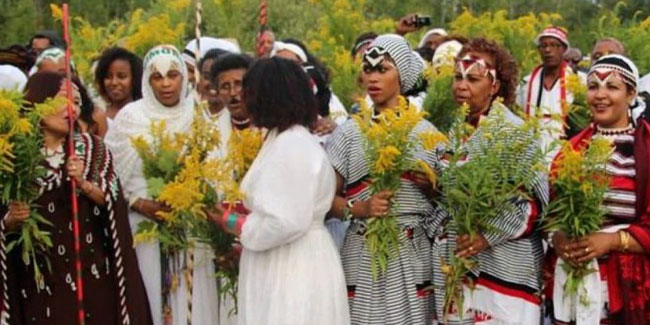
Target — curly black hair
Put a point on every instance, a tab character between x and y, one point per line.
118	53
506	66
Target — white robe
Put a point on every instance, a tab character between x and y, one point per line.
135	120
290	269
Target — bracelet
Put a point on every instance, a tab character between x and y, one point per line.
624	237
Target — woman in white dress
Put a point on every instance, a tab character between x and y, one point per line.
290	270
165	98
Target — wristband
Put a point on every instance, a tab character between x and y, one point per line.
224	218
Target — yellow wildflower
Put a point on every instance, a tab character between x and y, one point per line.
23	126
386	159
426	169
431	139
57	12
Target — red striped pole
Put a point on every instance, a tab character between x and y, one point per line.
263	20
73	184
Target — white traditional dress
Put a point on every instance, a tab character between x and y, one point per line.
290	270
135	120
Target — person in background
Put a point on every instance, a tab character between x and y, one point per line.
574	56
264	43
118	78
543	92
11	78
361	44
204	87
605	46
18	56
448	50
43	40
51	60
205	44
432	38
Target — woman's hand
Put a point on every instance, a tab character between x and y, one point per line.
18	213
592	246
323	126
215	213
150	208
75	168
466	246
376	207
560	243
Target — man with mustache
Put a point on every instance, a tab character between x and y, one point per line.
543	93
227	78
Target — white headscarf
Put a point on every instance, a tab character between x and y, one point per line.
12	78
446	52
435	31
207	44
135	119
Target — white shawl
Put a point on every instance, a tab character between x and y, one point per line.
135	119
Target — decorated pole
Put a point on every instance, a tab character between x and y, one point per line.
263	21
73	184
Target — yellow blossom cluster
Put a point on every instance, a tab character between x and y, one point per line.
389	144
243	147
516	34
88	40
16	120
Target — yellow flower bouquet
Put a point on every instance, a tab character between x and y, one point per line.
486	172
22	163
181	175
388	145
579	181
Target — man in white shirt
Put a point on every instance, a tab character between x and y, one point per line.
543	93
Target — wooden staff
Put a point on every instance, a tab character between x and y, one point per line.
73	183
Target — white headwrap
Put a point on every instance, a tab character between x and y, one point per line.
446	52
293	48
135	119
435	31
12	78
53	54
206	44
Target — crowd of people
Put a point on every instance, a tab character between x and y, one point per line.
305	253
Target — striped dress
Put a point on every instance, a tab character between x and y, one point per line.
508	276
402	294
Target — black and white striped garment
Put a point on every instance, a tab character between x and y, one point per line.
508	276
620	198
401	296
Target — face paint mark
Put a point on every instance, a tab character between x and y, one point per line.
374	56
471	63
602	76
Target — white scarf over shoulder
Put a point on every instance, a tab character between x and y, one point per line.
136	118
